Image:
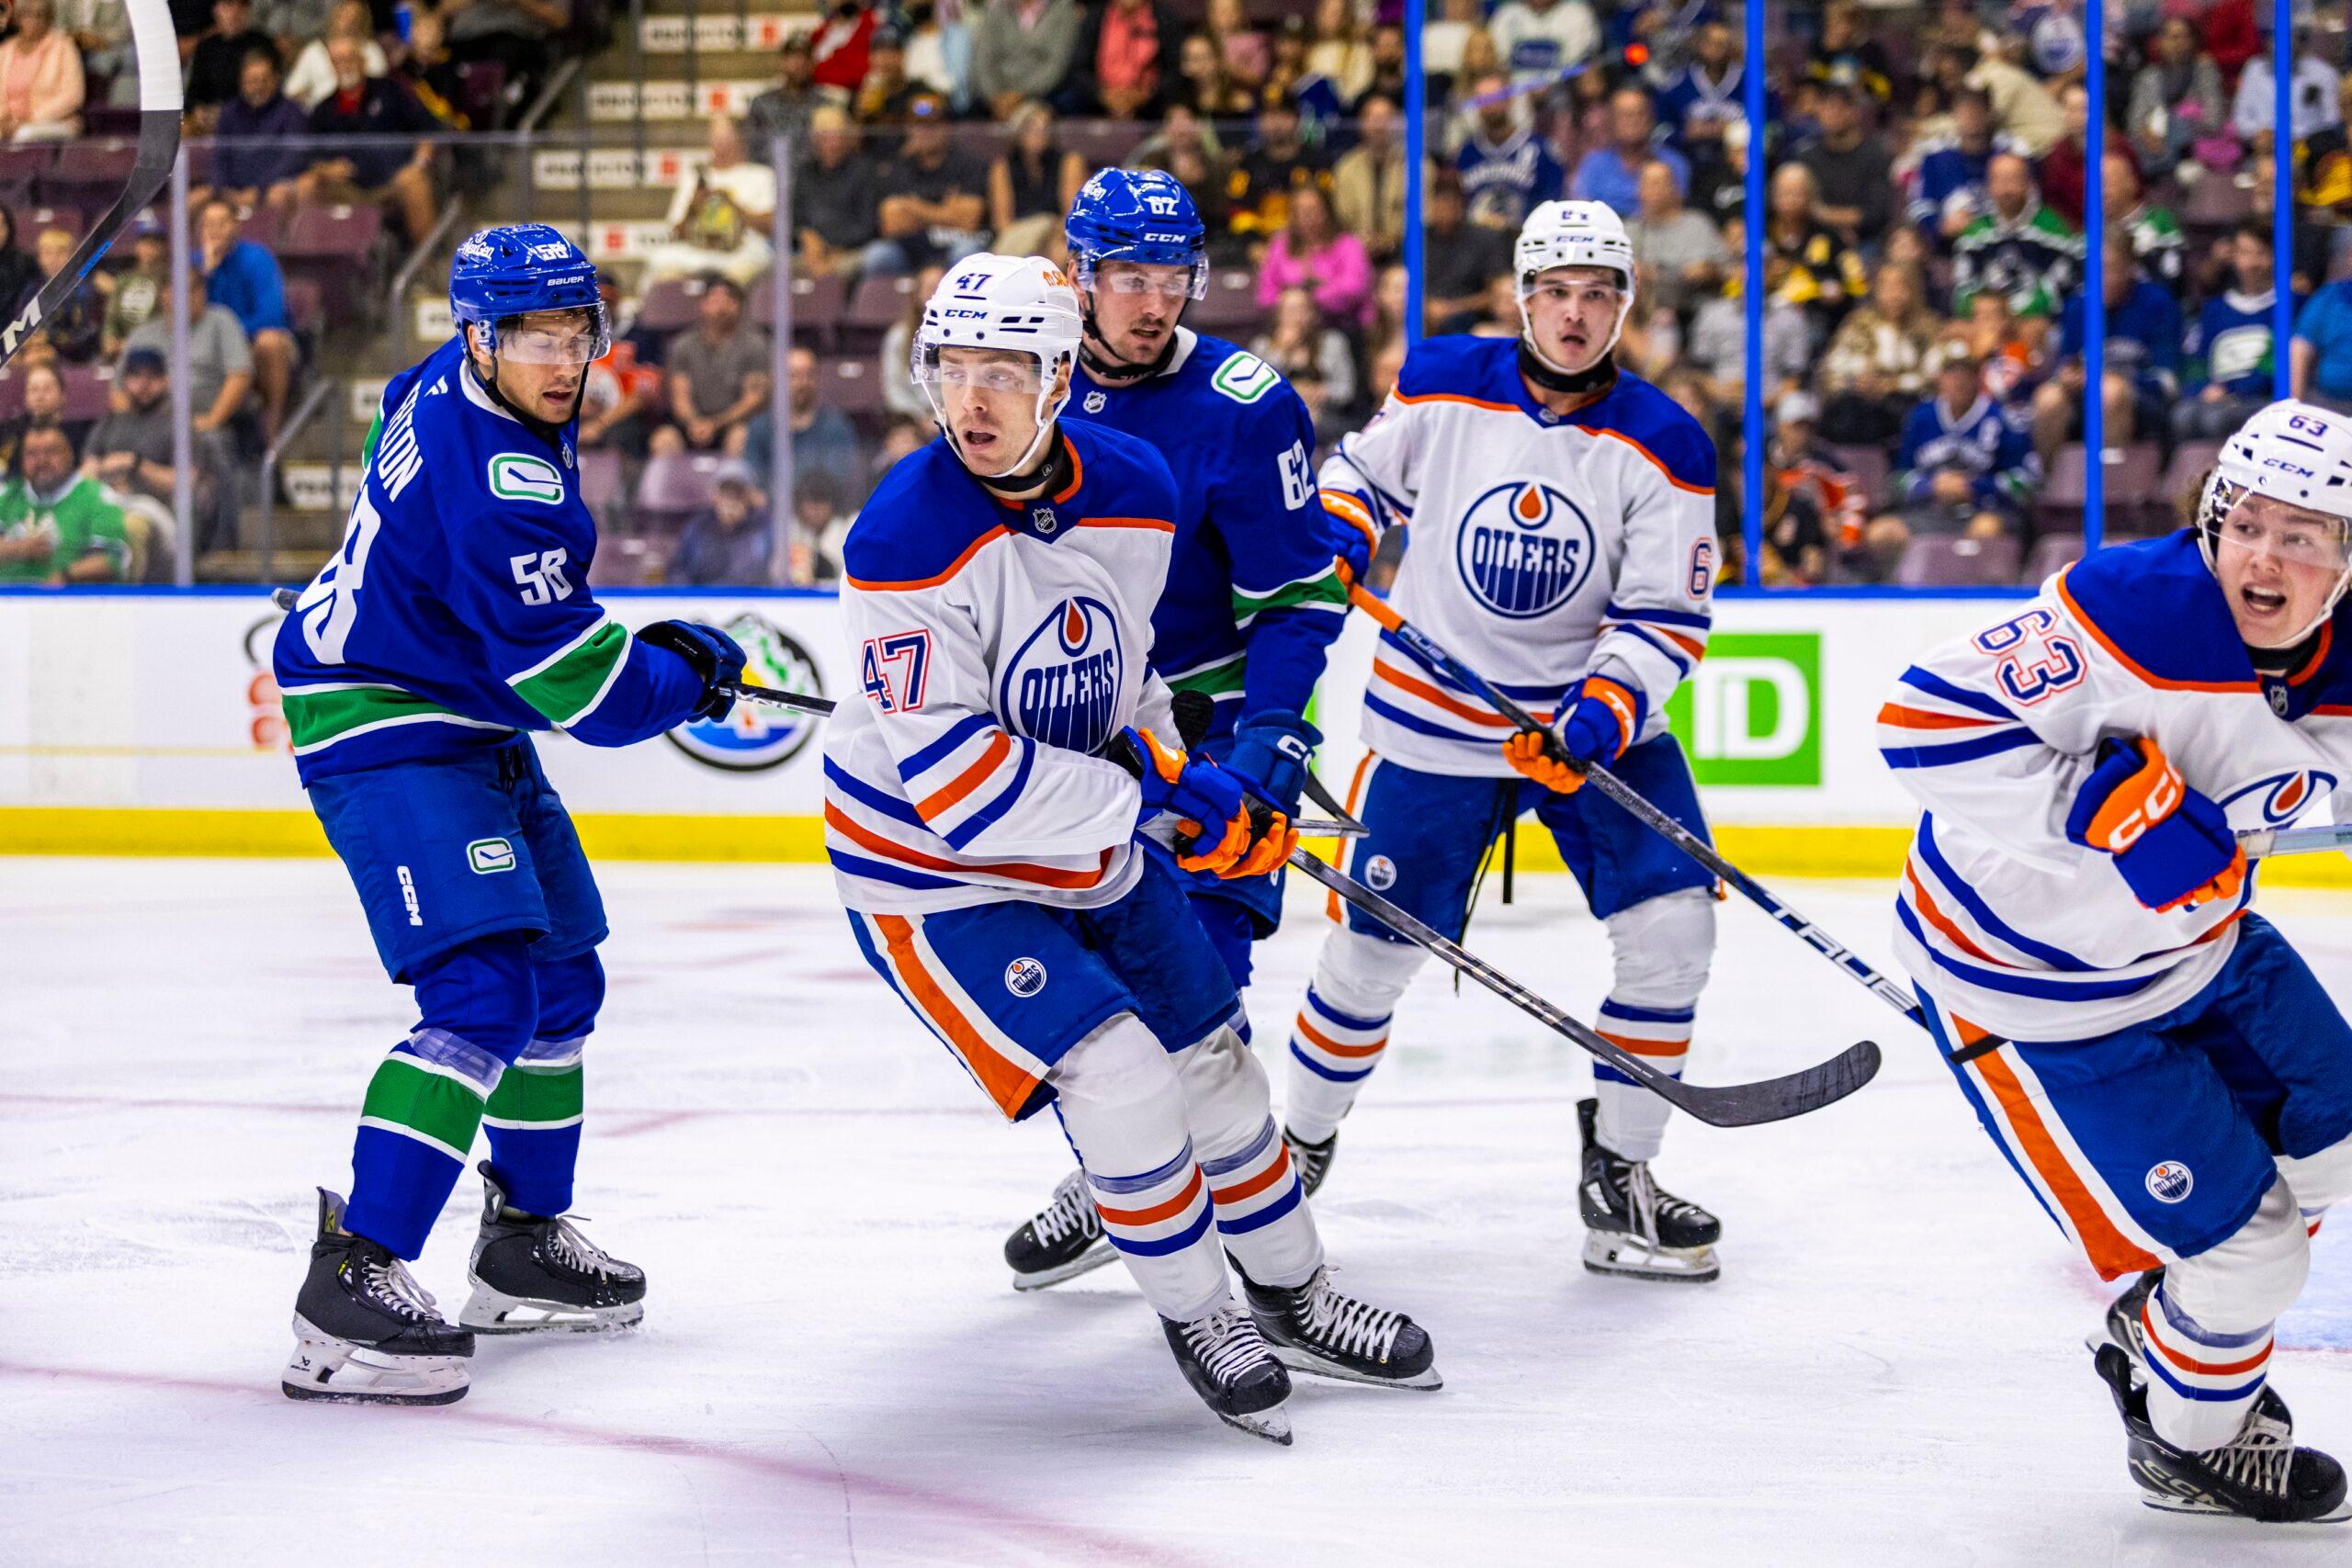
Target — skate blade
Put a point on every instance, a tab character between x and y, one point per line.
1086	1262
1273	1424
1297	1360
335	1370
1630	1258
489	1311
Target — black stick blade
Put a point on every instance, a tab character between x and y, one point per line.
1778	1100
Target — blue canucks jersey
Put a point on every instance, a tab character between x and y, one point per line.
1252	601
457	611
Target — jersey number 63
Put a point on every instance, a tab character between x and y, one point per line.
2034	661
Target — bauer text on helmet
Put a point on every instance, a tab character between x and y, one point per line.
1139	250
993	357
1574	267
2275	521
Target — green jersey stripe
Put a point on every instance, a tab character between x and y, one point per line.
1220	679
407	1098
526	1097
568	686
321	716
427	1139
1324	591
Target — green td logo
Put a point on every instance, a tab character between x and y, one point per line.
1751	713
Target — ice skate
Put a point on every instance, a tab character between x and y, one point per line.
1313	1161
533	1273
1315	1329
364	1332
1633	1226
2122	1326
1228	1364
2259	1474
1061	1241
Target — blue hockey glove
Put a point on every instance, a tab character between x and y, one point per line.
1271	752
1353	538
716	657
2173	845
1224	830
1607	716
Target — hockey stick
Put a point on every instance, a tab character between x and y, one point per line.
1719	1105
158	55
1418	644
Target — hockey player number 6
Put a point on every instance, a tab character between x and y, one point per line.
331	605
2034	663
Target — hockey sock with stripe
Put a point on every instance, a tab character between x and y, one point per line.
416	1127
533	1119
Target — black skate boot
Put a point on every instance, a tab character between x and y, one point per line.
1061	1241
1315	1329
2122	1326
532	1273
364	1333
1226	1362
2259	1474
1636	1228
1312	1161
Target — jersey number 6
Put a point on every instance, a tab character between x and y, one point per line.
893	668
2034	661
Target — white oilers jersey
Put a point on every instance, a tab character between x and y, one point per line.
1540	549
2013	929
1000	647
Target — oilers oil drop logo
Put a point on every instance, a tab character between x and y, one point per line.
1061	686
2279	797
753	736
1524	548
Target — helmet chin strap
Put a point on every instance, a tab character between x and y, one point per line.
1548	373
1106	365
551	433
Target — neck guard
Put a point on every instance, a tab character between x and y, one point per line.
1051	474
1598	378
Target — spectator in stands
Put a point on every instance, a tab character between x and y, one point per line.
131	449
938	207
437	79
719	369
220	358
2150	229
1339	49
1368	182
2313	101
19	272
2228	359
1386	364
291	24
2063	171
1677	255
72	330
1878	364
2016	247
41	78
900	438
101	31
835	195
1299	342
57	526
2175	100
2319	357
1126	60
244	278
363	111
884	99
1852	171
1612	173
1540	38
1820	274
2024	109
136	287
1207	88
818	527
255	155
895	368
621	404
1704	94
2139	371
839	46
215	68
1505	169
1796	533
312	80
1847	55
727	544
1716	346
1459	259
1030	185
823	440
1948	182
1963	469
784	109
1313	253
516	35
1277	164
1023	49
719	215
939	51
1242	48
44	404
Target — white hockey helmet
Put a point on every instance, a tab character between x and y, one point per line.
2290	452
1572	233
1022	303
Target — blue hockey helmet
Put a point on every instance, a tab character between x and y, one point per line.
1137	215
521	269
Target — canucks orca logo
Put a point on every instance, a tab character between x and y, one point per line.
1524	548
752	737
1062	685
2281	796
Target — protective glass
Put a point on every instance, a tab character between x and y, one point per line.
2293	535
1135	279
531	342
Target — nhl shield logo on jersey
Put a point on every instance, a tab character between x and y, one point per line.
752	738
1024	977
1062	687
1524	548
2170	1181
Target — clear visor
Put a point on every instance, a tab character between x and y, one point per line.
531	341
1020	377
2290	535
1135	279
1547	289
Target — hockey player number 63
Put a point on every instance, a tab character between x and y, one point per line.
2033	661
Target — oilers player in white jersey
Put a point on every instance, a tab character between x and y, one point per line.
455	619
2155	1061
1561	542
1253	602
1007	813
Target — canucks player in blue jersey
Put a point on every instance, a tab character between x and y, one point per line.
1252	603
455	620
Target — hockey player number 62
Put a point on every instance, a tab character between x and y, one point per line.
2034	661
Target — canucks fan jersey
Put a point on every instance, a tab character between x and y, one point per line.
457	611
999	646
1252	601
1541	548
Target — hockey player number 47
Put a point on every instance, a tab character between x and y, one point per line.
892	670
2034	661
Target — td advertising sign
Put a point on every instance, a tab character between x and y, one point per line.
1751	714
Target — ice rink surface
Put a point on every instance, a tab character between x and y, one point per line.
834	1370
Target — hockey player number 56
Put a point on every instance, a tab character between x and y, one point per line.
2033	661
330	605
